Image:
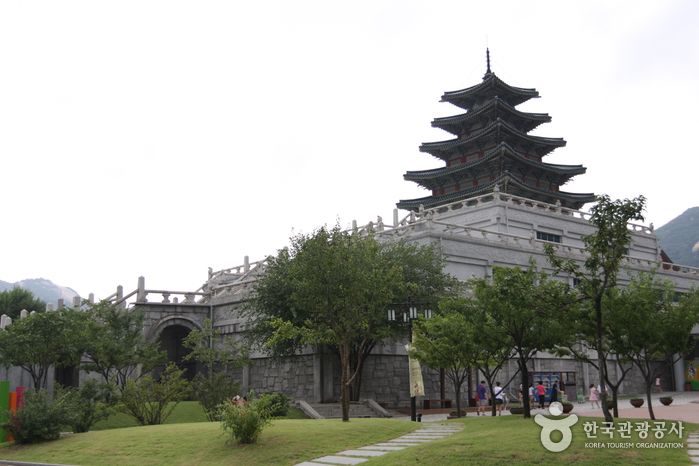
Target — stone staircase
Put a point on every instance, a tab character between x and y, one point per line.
365	408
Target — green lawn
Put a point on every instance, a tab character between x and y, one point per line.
484	441
285	442
514	440
186	411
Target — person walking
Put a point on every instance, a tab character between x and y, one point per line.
532	395
482	398
554	394
541	391
594	396
499	397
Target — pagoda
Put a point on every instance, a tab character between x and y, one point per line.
493	150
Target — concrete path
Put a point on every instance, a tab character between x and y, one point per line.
426	434
693	448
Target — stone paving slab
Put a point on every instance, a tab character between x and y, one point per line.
693	452
402	444
333	459
423	436
364	453
409	440
692	445
311	463
384	447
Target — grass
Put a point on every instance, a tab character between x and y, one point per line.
515	440
484	441
285	442
184	412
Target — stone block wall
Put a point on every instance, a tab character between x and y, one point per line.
293	376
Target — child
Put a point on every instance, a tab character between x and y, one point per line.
594	396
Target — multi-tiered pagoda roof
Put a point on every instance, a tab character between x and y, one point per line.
492	148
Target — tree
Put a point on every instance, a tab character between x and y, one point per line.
116	348
14	300
332	288
446	341
492	345
149	401
654	326
605	249
215	385
583	343
531	309
42	340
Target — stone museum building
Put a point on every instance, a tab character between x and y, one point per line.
493	200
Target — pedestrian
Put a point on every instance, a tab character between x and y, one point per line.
482	398
532	395
554	394
499	397
541	391
594	396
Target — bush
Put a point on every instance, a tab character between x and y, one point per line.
40	418
212	391
243	422
88	404
151	402
276	404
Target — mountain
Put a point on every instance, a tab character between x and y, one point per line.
679	238
44	289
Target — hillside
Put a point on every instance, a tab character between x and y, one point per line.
44	289
679	238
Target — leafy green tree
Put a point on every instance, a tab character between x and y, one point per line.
492	345
88	404
605	249
653	325
582	344
446	341
42	340
116	348
149	401
14	300
215	385
531	309
332	288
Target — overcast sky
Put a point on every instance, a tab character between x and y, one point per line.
159	138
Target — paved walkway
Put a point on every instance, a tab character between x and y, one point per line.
426	434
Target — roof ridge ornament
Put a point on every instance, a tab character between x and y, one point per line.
487	59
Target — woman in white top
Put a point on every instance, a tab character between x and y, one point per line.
499	397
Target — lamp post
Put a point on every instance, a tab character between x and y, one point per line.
409	316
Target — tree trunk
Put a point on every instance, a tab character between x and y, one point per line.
442	388
525	383
457	391
356	386
344	381
649	384
601	361
615	400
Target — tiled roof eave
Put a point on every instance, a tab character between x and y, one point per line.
431	147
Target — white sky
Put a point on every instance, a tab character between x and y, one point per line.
159	138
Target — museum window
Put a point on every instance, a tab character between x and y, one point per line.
548	237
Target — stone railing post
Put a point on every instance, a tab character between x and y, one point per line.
76	302
5	321
61	304
23	313
246	264
120	296
141	290
395	218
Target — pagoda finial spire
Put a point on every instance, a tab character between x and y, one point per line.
487	59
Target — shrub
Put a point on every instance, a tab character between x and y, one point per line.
276	404
243	422
40	418
212	391
88	404
151	402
